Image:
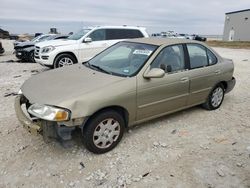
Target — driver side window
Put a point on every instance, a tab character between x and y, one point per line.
170	59
98	35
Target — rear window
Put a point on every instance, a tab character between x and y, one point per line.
113	34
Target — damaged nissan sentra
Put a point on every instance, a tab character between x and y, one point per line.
130	82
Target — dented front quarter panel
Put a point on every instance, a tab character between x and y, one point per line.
121	94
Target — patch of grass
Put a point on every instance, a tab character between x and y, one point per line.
233	44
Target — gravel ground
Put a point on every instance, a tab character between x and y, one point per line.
191	148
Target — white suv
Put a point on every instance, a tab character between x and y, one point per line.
83	45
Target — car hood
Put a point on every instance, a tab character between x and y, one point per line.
59	85
24	44
55	43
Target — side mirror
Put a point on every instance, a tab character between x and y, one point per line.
87	40
154	73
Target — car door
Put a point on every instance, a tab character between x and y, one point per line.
158	96
88	49
204	73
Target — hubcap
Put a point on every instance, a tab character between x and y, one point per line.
217	97
65	62
106	133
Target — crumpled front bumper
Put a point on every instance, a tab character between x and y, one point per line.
31	126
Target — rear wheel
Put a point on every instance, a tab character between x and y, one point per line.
63	60
103	132
215	98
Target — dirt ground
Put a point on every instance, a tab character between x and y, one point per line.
191	148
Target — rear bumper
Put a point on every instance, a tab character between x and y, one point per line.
34	128
230	85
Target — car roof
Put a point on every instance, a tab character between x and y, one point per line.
162	41
116	27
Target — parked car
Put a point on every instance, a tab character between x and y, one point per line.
130	82
25	50
38	38
191	37
200	38
1	48
83	45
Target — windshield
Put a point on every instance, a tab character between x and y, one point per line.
79	34
41	38
34	39
123	58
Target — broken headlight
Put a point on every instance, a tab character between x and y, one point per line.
47	49
50	113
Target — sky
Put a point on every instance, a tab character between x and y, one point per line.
192	16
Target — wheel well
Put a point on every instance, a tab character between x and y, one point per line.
224	84
69	53
122	111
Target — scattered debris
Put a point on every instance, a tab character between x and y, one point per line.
171	175
204	147
17	76
82	165
219	140
10	94
239	165
174	131
34	71
164	145
220	172
22	148
234	143
145	175
156	144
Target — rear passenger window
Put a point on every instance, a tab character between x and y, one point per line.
197	55
211	58
98	35
113	34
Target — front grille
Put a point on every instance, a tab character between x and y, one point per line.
37	50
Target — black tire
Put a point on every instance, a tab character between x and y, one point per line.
31	57
94	123
209	104
61	56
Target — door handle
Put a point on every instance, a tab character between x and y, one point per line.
217	72
185	79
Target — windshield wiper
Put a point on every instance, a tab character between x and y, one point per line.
100	68
96	67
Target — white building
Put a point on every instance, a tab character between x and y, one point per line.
237	26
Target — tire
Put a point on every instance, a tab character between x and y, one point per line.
97	134
66	58
31	57
215	98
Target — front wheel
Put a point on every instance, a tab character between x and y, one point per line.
215	98
31	57
63	60
103	132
